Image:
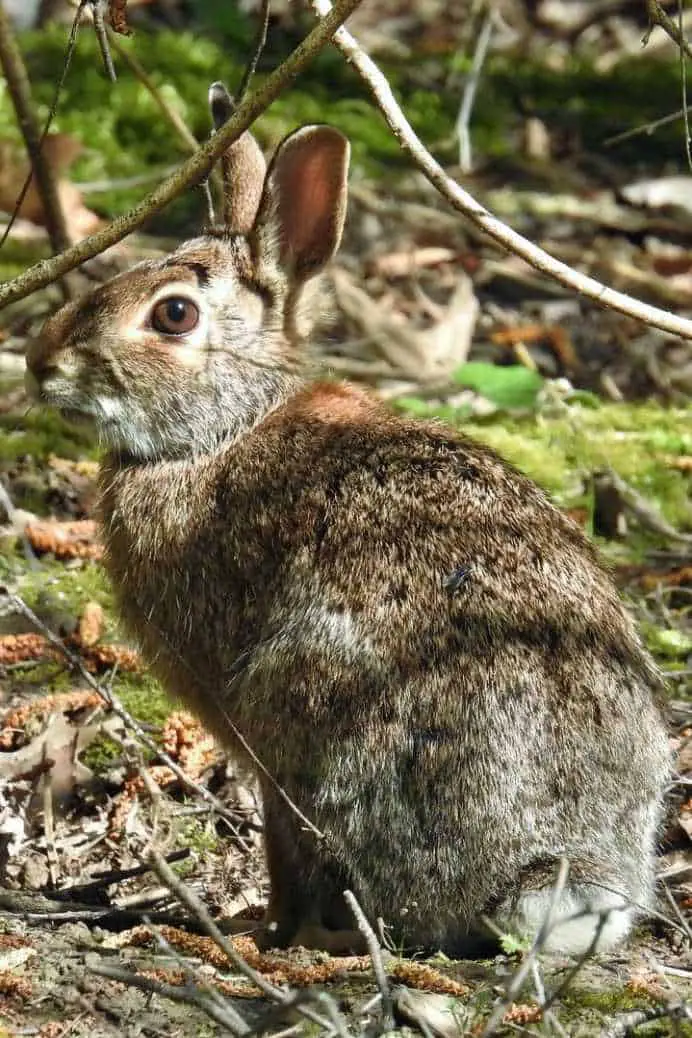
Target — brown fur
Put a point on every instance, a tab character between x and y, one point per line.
418	646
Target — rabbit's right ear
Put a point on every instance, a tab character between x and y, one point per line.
242	168
301	215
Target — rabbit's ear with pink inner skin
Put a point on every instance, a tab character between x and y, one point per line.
243	168
301	215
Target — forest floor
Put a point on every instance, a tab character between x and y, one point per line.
593	406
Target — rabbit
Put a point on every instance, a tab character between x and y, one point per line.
398	633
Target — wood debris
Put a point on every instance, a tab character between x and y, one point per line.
63	702
76	539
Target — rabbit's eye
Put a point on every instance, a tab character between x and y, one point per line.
174	316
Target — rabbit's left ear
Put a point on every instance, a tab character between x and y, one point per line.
303	206
243	168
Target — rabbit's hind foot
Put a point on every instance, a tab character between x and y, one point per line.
584	918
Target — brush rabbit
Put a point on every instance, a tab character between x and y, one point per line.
416	645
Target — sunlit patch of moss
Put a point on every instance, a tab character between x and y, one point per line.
100	755
669	643
59	593
144	698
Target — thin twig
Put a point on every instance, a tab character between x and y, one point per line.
191	171
470	88
657	16
195	986
387	1010
522	973
185	993
648	128
102	38
683	87
106	879
257	49
188	898
71	44
19	89
467	205
310	826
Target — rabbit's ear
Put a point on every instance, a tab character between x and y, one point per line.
304	202
242	167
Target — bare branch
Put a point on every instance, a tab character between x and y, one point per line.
469	95
19	89
188	898
467	205
657	16
376	957
257	49
102	38
191	172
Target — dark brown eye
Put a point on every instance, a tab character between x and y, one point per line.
174	316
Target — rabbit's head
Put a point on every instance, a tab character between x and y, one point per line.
180	354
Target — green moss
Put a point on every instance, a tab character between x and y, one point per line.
101	754
144	698
608	1001
42	432
124	132
199	836
59	594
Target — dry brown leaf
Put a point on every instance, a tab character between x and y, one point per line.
56	752
551	334
60	151
117	14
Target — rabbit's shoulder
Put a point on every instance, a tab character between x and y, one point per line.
412	525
